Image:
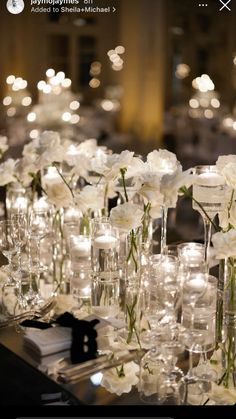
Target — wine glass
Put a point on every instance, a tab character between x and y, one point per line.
7	245
39	228
209	197
19	234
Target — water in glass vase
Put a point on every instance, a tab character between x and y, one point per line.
209	190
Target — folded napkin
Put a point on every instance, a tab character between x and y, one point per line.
82	338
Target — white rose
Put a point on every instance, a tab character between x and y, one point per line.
163	161
229	174
3	145
126	217
90	198
224	244
7	172
59	194
123	384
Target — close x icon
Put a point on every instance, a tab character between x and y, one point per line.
225	5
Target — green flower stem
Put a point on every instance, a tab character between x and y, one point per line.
132	322
133	250
64	180
230	203
123	171
120	371
186	192
145	221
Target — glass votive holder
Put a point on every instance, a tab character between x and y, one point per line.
80	251
105	249
201	319
105	297
80	285
191	253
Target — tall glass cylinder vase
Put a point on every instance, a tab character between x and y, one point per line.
164	216
59	254
226	321
104	261
133	258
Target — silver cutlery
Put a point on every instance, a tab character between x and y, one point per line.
30	314
76	373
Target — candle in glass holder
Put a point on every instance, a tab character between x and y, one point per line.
20	204
105	242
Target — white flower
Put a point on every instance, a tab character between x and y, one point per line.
126	217
116	162
224	218
170	185
232	215
88	147
59	194
163	161
7	172
23	169
224	244
44	150
220	394
63	303
229	174
3	145
118	385
49	149
224	161
90	198
150	188
155	212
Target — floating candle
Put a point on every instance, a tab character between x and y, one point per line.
105	242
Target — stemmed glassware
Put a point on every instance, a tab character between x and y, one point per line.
39	227
209	198
7	245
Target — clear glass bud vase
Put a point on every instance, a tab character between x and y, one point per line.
133	258
59	254
226	321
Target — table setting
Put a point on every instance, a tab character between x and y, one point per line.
90	281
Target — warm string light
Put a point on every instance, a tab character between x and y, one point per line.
17	95
117	63
205	102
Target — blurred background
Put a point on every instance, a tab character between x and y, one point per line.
155	73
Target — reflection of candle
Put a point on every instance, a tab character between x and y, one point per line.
189	254
20	204
82	248
196	285
41	204
51	176
105	242
72	214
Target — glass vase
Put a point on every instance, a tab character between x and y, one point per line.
226	321
133	258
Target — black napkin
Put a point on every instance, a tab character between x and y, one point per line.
84	344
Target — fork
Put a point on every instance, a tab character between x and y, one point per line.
76	373
38	312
